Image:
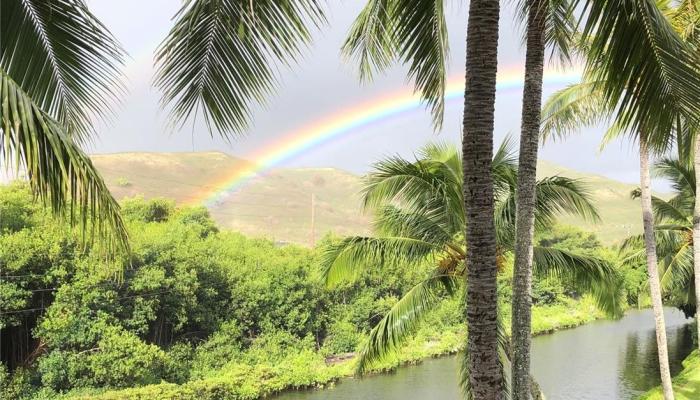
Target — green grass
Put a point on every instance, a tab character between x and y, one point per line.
686	385
278	204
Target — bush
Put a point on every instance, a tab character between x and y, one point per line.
546	292
120	360
154	210
15	386
342	337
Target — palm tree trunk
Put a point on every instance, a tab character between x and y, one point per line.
696	232
525	203
652	269
485	370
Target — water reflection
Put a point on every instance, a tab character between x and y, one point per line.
604	360
640	365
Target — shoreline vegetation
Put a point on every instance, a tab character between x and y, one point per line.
318	373
206	314
686	385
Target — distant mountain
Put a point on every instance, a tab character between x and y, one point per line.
278	204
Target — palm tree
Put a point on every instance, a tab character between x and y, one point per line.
549	22
59	68
650	113
582	104
420	218
686	20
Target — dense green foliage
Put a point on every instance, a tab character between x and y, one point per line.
204	313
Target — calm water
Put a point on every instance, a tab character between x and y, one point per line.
599	361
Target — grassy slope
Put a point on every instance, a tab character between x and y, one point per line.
619	213
278	205
686	385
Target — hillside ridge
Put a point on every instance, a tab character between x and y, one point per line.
277	204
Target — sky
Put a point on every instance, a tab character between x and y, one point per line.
323	84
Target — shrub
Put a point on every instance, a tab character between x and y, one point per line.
342	337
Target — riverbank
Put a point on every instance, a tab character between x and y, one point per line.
686	385
306	369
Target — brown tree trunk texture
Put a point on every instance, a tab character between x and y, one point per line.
652	269
696	230
525	200
485	371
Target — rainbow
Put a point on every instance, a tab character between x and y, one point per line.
349	120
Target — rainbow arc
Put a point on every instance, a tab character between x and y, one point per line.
350	120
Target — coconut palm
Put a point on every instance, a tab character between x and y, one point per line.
59	69
420	218
590	102
548	22
582	104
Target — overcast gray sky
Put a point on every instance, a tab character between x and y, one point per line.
320	85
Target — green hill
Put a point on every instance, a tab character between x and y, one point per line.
278	204
620	215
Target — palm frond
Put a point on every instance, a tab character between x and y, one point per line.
387	337
413	31
560	29
346	259
686	20
558	195
504	168
575	106
370	40
589	275
425	226
555	196
668	212
63	58
678	172
426	185
220	57
678	267
649	83
59	173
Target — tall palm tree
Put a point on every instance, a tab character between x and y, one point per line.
549	22
665	99
686	19
420	218
583	104
415	33
59	68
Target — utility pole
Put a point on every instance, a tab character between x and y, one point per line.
313	219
